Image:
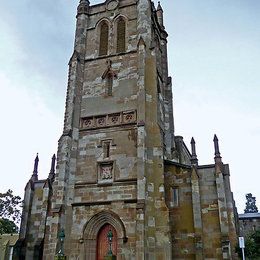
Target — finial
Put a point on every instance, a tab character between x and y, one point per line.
159	13
194	159
109	63
216	148
35	169
52	171
159	7
36	161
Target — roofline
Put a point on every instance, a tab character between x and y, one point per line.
177	164
206	166
249	215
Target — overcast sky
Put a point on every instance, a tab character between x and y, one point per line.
214	59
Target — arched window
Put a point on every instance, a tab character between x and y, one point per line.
103	41
120	46
104	247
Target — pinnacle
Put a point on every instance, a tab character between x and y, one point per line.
52	170
36	161
35	169
216	148
194	159
159	7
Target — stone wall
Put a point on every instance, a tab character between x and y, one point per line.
195	217
35	212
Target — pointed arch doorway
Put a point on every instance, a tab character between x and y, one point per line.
103	246
95	235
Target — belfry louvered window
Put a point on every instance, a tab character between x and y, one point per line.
120	46
103	41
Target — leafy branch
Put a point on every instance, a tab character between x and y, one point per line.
10	206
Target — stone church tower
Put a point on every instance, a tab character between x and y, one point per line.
120	169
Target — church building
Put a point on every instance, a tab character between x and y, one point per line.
124	186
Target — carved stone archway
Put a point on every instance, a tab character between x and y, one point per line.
93	227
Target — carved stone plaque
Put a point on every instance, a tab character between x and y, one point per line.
105	172
109	120
101	121
88	122
129	117
114	119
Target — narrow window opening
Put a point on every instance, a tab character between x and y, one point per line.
109	84
121	36
107	149
103	41
175	197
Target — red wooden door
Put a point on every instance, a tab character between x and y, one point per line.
103	244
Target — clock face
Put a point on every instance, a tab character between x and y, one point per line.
112	5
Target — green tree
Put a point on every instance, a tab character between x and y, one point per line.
252	246
10	206
7	226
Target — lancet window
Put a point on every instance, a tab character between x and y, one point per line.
103	41
121	32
